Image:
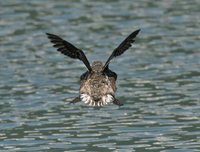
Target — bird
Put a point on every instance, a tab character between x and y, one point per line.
98	83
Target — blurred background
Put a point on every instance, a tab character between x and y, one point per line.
158	78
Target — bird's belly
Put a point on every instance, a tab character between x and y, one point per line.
97	92
105	99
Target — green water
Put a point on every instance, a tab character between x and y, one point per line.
158	78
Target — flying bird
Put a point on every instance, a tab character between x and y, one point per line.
98	83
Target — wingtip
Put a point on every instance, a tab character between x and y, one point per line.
48	34
137	31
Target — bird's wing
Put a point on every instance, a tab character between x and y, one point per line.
68	49
125	45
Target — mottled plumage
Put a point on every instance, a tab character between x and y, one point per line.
98	84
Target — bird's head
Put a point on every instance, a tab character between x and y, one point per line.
97	67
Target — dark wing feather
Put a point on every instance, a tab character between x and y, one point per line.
68	49
110	73
125	45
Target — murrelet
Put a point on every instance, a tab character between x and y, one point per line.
98	83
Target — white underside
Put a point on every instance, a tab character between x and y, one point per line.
104	100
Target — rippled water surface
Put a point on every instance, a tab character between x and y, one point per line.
158	78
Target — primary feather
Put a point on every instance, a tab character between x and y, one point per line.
68	49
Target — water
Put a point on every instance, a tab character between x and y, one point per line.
158	78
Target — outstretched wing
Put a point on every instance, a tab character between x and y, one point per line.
125	45
68	49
